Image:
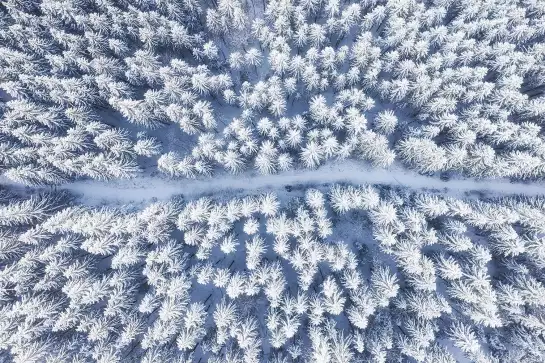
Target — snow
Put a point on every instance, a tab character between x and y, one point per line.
447	85
154	187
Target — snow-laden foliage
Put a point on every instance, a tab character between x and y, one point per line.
443	86
106	89
349	274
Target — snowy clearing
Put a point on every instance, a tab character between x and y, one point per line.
145	188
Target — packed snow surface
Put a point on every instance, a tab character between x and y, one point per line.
154	187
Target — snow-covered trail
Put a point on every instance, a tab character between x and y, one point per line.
147	187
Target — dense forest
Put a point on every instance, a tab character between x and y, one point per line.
98	91
105	89
341	275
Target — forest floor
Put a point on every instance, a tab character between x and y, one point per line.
148	187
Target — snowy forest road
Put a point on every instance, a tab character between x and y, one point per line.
145	188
